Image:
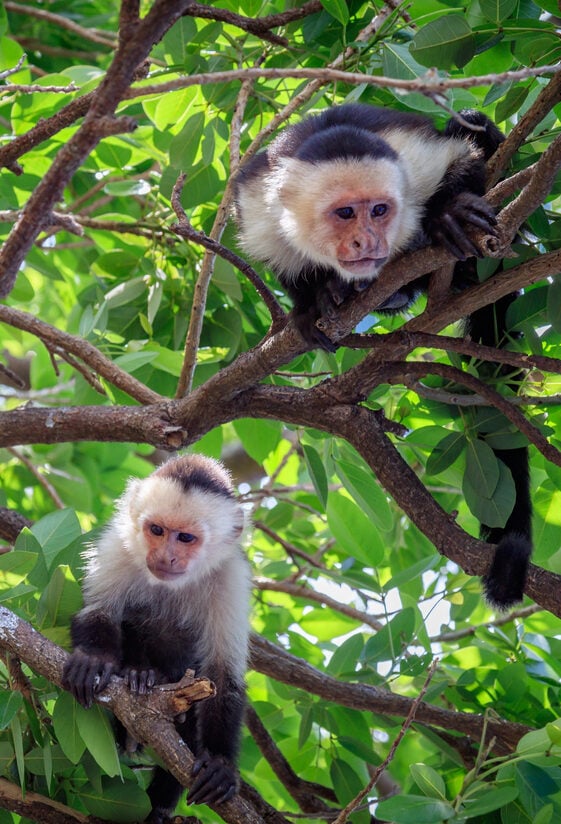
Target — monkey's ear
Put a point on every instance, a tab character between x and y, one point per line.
128	502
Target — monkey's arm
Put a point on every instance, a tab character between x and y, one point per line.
97	655
458	207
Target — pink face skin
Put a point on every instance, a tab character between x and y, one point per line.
360	229
170	548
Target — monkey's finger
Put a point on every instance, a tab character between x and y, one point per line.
210	789
198	764
104	676
132	680
481	223
455	238
212	795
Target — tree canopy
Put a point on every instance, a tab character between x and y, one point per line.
381	685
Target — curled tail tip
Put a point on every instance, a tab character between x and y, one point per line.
504	582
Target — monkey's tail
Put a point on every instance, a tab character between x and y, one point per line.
504	582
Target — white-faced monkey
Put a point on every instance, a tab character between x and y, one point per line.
336	196
167	589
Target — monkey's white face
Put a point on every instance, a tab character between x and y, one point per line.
345	214
178	537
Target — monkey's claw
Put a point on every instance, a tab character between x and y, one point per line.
216	781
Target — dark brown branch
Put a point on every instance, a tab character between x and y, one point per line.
534	193
361	428
96	36
59	341
402	372
275	662
39	808
543	104
309	594
11	524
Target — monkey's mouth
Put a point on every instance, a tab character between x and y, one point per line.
167	574
363	267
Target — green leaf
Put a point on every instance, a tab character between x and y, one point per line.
17	738
316	471
346	782
337	9
495	510
344	660
358	480
60	600
414	809
488	798
66	727
14	568
97	734
129	290
55	532
10	705
259	438
42	760
512	102
428	781
444	42
353	531
118	801
390	641
446	452
498	10
482	467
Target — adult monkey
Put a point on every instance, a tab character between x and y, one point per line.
338	195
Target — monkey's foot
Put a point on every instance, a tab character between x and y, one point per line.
216	780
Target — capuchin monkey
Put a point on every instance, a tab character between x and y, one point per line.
167	589
338	195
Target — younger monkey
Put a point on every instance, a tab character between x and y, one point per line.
167	589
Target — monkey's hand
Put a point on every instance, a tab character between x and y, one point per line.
460	216
216	780
85	675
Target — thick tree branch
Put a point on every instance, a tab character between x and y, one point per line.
542	105
275	662
11	524
59	342
39	808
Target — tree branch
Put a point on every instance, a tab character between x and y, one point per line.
275	662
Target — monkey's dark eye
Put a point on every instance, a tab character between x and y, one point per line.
186	537
379	209
156	529
345	212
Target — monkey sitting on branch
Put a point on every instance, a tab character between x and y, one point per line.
167	589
